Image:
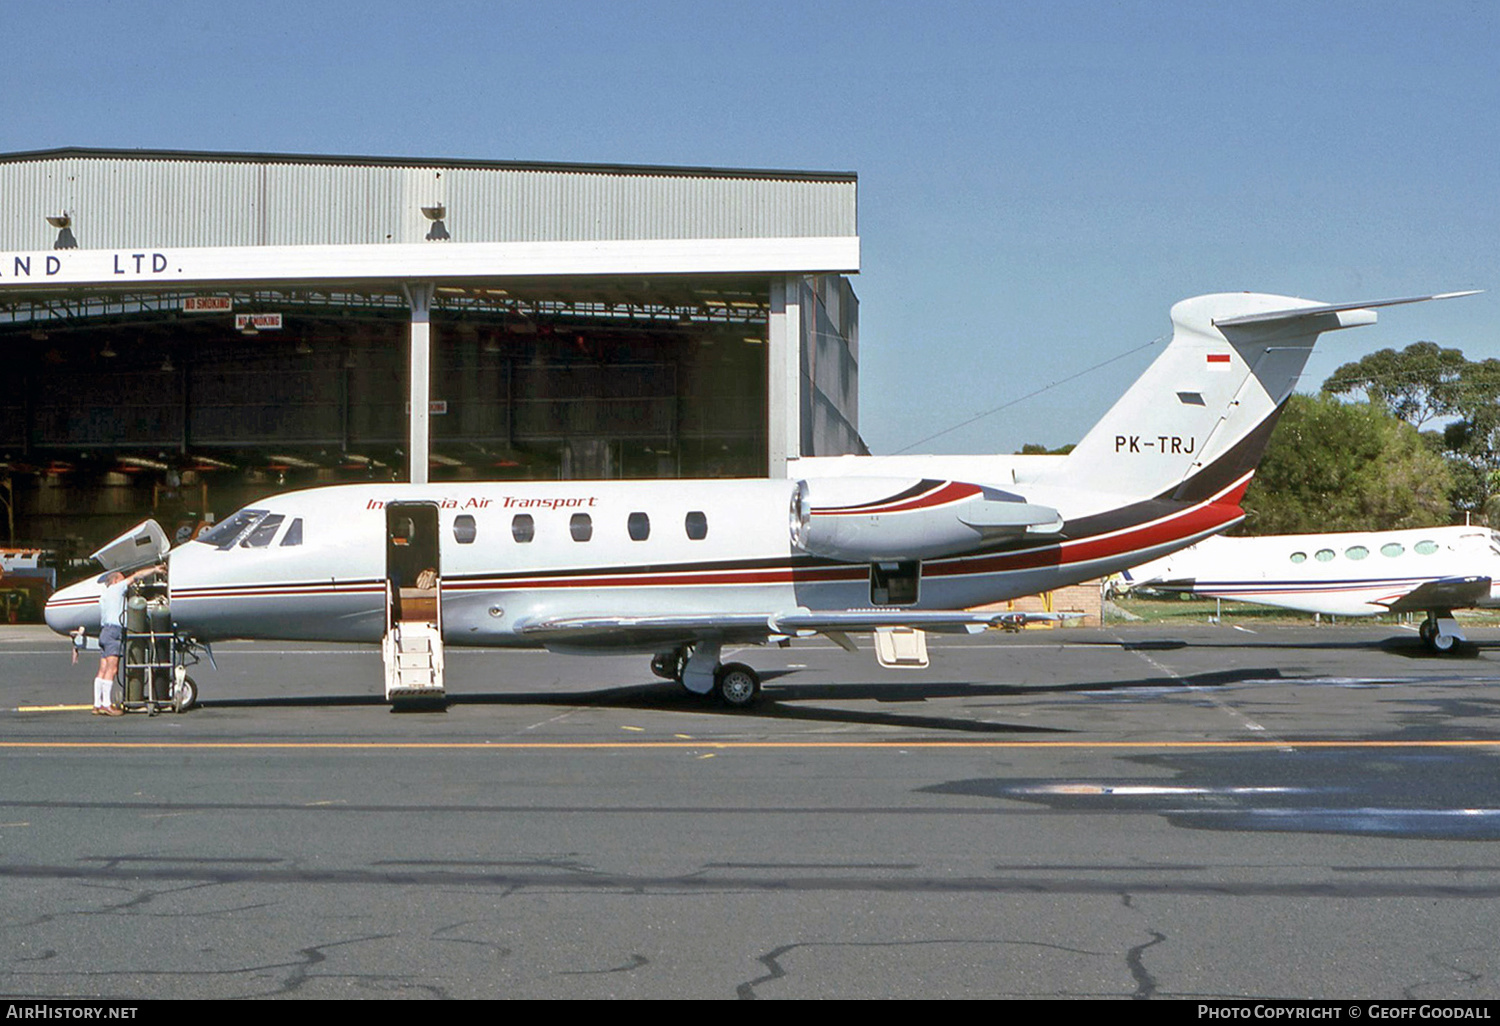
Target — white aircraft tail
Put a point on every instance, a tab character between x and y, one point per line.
1196	423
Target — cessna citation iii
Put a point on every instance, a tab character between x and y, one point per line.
681	569
1432	570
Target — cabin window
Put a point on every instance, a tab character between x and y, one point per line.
1392	549
581	527
1299	557
1356	552
464	529
1425	547
697	525
223	535
293	533
1324	555
522	527
639	526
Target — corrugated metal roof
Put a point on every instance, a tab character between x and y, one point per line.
138	198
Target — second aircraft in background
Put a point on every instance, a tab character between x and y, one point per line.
1431	570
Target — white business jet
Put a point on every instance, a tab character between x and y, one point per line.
1431	570
680	569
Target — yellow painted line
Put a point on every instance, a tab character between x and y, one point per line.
53	708
723	745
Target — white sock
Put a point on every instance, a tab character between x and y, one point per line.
101	692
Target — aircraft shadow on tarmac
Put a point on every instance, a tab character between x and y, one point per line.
782	701
1405	646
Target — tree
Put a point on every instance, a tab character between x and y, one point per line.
1417	384
1472	442
1337	466
1425	382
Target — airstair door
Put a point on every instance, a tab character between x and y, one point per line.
413	645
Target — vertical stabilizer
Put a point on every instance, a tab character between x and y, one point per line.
1197	422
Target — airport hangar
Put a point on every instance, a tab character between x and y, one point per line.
187	332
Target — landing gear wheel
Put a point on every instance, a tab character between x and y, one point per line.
737	685
1427	632
669	665
184	695
1442	643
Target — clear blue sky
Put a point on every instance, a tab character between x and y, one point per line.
1039	182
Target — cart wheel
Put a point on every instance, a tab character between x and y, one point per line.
184	695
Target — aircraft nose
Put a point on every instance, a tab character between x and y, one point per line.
72	607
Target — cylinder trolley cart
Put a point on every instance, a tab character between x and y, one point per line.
153	670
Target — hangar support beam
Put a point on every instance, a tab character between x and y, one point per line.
418	397
783	374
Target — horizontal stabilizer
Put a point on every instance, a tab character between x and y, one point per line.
1449	593
1274	316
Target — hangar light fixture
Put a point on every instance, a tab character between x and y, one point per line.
439	231
108	352
63	222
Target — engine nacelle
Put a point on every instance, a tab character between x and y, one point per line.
863	519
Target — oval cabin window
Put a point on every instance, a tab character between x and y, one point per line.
639	526
522	527
581	527
696	525
464	529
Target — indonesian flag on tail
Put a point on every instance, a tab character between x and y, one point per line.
1219	362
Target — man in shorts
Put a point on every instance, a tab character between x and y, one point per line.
112	636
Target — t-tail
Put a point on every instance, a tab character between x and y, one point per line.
1195	425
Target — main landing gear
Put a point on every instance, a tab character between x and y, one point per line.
697	668
1439	632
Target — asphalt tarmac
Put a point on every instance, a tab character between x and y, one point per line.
1143	812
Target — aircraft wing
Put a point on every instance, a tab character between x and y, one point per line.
687	628
1449	593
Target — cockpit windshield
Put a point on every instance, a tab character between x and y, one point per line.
224	534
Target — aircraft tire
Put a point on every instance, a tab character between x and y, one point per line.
737	685
1442	644
185	695
1427	631
669	665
